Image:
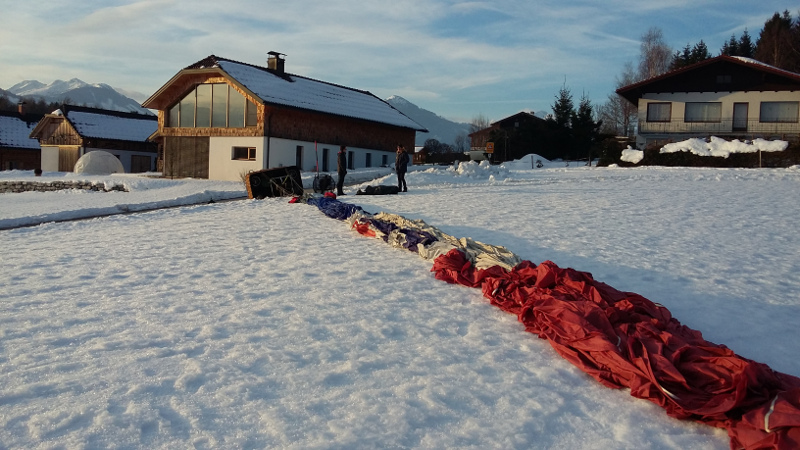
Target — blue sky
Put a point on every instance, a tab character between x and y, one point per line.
457	59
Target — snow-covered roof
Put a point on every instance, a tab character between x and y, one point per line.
305	93
104	124
15	132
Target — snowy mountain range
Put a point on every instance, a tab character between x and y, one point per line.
439	128
78	92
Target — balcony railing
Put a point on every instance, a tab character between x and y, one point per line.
723	127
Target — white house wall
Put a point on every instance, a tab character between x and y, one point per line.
677	128
222	166
282	153
679	100
49	159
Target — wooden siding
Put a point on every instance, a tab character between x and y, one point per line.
60	132
20	159
309	126
67	157
113	144
186	157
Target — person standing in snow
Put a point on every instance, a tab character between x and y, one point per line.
341	169
401	166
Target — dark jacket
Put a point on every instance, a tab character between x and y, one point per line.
401	162
341	161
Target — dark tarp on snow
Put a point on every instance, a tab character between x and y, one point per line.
278	182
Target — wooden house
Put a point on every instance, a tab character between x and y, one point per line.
220	119
18	151
726	96
508	136
72	131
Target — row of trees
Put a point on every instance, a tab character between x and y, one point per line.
32	105
778	44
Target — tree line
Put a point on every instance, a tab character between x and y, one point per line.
32	105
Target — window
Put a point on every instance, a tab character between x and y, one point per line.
298	157
779	112
243	154
384	161
659	112
252	114
213	105
187	111
350	163
369	160
325	153
203	118
236	109
724	79
703	112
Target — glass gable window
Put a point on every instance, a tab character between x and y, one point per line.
187	111
203	117
703	112
659	112
779	112
213	105
220	106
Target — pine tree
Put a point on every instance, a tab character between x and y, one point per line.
563	112
700	52
681	58
774	45
584	129
745	46
563	108
730	48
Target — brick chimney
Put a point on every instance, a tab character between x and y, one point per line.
275	62
21	107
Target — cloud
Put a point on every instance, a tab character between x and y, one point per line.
436	51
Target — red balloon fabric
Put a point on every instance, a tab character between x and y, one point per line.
625	340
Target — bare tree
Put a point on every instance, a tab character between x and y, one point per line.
656	55
461	143
617	114
479	122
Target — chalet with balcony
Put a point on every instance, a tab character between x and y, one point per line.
18	151
220	119
727	96
72	131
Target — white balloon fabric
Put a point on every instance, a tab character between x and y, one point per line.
98	162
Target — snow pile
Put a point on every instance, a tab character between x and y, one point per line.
531	161
722	148
632	155
482	171
98	162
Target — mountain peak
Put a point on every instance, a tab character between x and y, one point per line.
78	92
439	128
397	100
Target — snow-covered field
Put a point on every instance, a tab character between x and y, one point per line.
265	324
